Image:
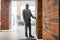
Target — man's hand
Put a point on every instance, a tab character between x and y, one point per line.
34	17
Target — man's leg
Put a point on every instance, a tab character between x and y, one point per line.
26	30
30	30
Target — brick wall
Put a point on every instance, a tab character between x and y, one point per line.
0	14
39	19
50	20
4	14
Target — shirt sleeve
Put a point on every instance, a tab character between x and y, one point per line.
23	15
31	14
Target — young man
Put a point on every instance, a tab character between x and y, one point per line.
27	19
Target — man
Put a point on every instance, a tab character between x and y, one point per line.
27	19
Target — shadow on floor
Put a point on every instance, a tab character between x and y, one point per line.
29	39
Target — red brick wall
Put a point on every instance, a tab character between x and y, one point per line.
39	19
50	20
4	14
0	14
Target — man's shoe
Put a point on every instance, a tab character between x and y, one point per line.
31	36
26	35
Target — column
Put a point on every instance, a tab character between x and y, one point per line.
39	19
5	14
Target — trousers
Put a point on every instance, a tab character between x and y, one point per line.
28	25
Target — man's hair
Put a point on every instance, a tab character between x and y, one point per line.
27	4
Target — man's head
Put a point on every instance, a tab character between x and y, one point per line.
27	6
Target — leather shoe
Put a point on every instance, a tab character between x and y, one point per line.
31	36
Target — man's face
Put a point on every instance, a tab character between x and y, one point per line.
27	6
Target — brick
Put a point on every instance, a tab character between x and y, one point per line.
54	20
4	14
48	35
50	19
55	14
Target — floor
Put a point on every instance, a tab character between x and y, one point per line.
16	33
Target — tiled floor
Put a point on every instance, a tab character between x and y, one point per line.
16	34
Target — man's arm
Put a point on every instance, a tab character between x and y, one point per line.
32	15
24	16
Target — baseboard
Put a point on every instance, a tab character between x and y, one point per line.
4	30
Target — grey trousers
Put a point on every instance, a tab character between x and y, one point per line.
28	26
